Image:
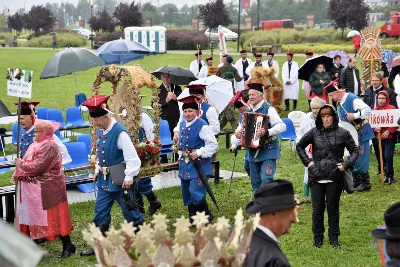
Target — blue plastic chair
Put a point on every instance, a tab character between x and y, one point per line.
82	98
15	133
42	113
74	117
56	115
78	153
290	133
87	139
63	139
165	134
77	101
3	159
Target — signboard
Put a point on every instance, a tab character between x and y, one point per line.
19	83
245	4
384	118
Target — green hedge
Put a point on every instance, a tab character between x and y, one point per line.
5	35
63	40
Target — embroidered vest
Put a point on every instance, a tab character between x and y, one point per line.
109	154
204	107
270	150
189	138
25	141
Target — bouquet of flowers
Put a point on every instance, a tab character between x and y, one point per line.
149	152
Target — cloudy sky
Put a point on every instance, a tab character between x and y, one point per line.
14	5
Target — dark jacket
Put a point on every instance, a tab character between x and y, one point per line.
334	70
265	252
324	167
228	67
384	69
346	80
315	84
370	96
395	70
169	111
393	263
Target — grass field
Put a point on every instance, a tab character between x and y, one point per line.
360	212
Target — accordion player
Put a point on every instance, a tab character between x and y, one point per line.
252	122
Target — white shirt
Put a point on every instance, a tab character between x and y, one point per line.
355	82
306	124
147	125
212	117
203	72
277	125
194	67
211	144
131	158
268	233
274	64
66	158
360	105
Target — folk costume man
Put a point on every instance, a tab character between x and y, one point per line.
262	161
229	68
290	72
276	204
207	112
240	100
144	186
353	110
197	64
272	63
241	65
28	118
115	152
206	71
196	142
257	64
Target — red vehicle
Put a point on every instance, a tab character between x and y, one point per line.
276	24
392	27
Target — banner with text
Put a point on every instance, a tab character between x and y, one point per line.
384	118
19	83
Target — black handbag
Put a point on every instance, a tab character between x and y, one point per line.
348	184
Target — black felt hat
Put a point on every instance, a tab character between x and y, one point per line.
392	221
272	197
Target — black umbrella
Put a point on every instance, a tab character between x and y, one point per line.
179	75
4	112
310	65
204	180
71	60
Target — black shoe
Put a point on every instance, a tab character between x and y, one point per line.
356	179
192	212
39	241
317	243
155	204
68	251
204	207
335	244
390	180
139	201
386	181
365	183
89	252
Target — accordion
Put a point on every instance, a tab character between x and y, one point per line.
251	122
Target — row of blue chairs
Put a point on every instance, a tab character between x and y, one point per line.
15	134
73	117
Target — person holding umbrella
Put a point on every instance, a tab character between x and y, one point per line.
318	80
196	140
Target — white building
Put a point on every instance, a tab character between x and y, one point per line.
381	3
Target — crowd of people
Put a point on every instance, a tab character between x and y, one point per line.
321	145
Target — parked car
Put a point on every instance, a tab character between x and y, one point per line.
84	32
323	25
276	24
392	27
213	36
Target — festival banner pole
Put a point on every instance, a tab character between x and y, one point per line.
381	157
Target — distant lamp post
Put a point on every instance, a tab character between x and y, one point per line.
91	19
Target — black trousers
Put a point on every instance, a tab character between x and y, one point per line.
331	193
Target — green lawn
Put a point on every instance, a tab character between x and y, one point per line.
360	212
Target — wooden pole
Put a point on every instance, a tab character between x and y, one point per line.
381	157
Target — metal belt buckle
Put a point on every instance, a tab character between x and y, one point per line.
105	171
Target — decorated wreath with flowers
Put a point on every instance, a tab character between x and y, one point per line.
126	108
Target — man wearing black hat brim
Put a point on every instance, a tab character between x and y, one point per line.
241	65
276	204
391	234
197	64
262	162
195	140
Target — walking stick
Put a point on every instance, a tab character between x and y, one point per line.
233	168
381	156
